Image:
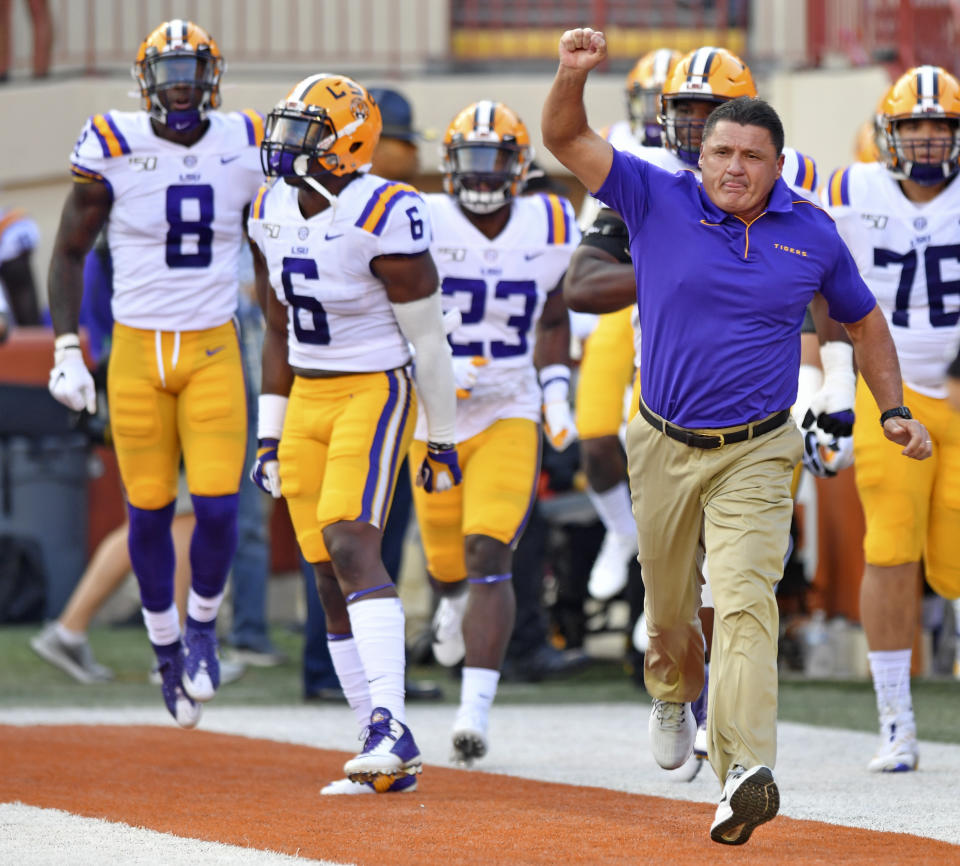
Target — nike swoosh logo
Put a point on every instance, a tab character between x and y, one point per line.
330	237
225	159
529	256
214	351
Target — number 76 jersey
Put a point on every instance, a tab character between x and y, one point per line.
500	287
909	256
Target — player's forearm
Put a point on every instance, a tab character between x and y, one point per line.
553	342
876	358
277	376
593	285
65	290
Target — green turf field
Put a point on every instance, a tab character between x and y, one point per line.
26	680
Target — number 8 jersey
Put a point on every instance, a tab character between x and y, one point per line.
909	256
339	316
193	197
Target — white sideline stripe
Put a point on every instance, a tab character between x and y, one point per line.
821	771
51	837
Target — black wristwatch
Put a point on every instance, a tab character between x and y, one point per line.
895	412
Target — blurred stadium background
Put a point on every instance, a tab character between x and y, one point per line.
822	63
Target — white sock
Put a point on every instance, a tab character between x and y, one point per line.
478	688
69	636
891	681
614	509
203	609
353	678
163	626
378	630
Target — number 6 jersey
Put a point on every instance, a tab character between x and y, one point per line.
193	197
338	314
909	255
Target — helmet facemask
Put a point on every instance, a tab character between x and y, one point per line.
643	107
684	134
484	176
159	74
926	161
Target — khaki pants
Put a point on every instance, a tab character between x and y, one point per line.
736	499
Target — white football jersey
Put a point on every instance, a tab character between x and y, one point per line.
909	256
338	314
193	197
500	287
18	234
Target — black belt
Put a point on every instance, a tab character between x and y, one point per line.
708	441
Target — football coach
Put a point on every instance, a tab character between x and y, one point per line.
725	268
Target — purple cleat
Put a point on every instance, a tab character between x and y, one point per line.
201	666
170	667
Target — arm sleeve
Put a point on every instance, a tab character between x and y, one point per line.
421	322
609	233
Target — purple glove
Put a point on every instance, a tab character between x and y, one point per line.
440	469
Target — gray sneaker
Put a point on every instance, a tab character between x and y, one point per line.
77	661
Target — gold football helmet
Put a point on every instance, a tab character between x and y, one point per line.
644	86
328	124
921	93
708	74
178	53
486	154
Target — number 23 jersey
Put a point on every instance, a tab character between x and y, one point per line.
338	314
500	287
909	256
176	223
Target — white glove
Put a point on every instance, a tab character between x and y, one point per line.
557	417
70	380
825	461
465	373
830	413
558	424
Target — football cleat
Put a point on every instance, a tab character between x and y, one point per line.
469	740
389	752
397	785
201	666
448	645
750	798
170	666
898	751
672	729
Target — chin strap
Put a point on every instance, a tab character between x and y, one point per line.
300	170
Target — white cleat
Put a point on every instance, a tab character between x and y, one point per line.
348	787
448	646
470	741
898	752
608	577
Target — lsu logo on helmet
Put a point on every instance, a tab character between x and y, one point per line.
486	155
643	88
178	54
921	93
708	74
328	124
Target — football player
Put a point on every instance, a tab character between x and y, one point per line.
18	290
601	280
501	258
899	215
348	284
171	183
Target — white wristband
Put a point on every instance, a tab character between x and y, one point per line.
271	410
66	341
555	382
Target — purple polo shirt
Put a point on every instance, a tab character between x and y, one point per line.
721	303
